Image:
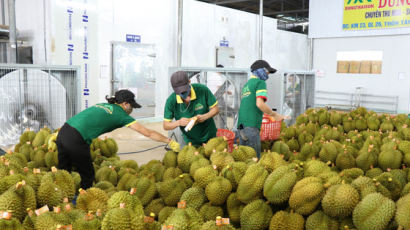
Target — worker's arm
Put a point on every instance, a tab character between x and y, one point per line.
170	125
212	113
152	134
260	103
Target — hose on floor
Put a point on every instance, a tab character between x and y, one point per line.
145	150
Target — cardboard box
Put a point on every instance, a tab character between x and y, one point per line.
354	67
376	67
342	67
365	67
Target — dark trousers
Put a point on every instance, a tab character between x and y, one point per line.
74	152
250	136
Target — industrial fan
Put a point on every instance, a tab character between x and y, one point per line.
33	98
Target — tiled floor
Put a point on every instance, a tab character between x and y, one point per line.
131	141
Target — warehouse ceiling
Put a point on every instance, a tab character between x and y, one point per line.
292	15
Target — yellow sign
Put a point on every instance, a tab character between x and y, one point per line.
375	14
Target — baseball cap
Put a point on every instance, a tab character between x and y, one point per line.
125	95
262	64
180	82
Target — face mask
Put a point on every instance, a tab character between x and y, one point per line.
261	73
184	95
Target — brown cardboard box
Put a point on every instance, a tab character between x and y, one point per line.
354	67
365	66
376	67
342	67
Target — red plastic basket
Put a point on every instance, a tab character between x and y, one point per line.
229	135
270	130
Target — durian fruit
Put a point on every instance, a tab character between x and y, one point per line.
204	175
304	137
289	132
243	153
145	188
320	221
10	223
17	199
216	143
210	212
50	220
251	185
221	159
390	159
108	147
89	222
374	212
403	212
329	152
129	164
7	181
171	173
51	159
28	223
234	172
272	161
266	145
185	158
345	160
282	148
284	220
171	190
211	225
187	218
373	122
279	184
107	174
40	137
194	197
170	159
151	225
391	183
364	185
218	190
199	163
302	119
367	158
256	215
92	199
122	218
293	145
309	150
314	168
49	194
360	123
335	118
130	199
63	179
306	195
234	208
348	175
154	207
165	213
27	136
387	125
340	200
348	123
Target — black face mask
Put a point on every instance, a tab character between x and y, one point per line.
184	95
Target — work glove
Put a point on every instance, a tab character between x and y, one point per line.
174	146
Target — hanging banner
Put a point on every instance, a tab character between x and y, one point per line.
375	14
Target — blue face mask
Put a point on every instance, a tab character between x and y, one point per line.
184	95
261	73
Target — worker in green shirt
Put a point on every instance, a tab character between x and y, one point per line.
76	135
190	101
253	106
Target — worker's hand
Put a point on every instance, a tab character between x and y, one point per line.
201	118
183	121
279	117
174	146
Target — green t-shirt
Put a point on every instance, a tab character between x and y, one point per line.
202	100
99	119
249	114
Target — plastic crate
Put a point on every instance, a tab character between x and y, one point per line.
270	129
230	136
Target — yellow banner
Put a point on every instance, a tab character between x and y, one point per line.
375	14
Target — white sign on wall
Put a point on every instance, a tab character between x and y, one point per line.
74	24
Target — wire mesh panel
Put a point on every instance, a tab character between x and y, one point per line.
32	97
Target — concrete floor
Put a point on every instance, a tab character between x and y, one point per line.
131	141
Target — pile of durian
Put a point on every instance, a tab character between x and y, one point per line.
330	170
